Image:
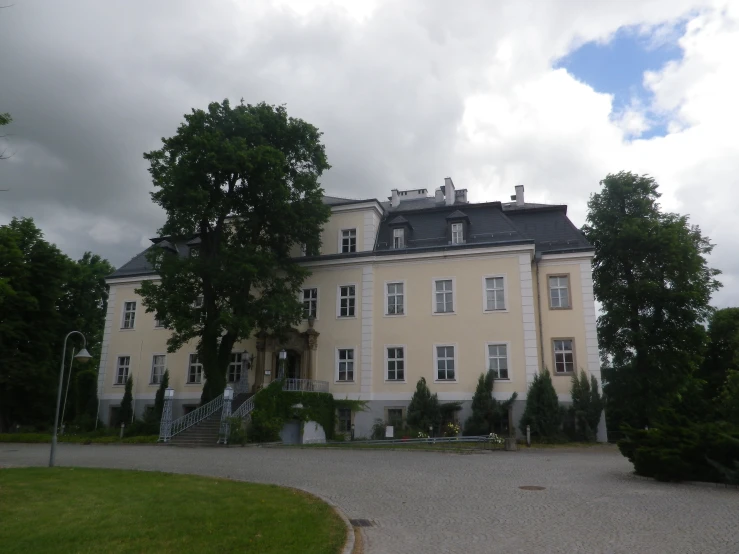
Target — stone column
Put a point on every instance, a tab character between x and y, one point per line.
165	426
259	366
225	414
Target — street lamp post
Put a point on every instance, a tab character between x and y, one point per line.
83	356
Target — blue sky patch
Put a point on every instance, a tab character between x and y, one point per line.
618	67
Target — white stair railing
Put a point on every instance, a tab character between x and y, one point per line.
196	416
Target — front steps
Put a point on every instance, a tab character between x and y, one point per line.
206	432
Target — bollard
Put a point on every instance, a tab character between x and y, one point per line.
352	431
123	426
528	435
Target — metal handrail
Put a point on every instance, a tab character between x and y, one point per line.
305	385
246	408
196	416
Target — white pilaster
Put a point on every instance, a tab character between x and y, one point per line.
591	334
531	350
368	283
369	230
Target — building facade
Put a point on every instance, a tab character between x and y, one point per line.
417	286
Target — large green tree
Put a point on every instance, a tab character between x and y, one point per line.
43	296
241	185
651	277
722	352
4	120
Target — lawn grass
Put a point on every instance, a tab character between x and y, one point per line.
98	510
105	439
432	447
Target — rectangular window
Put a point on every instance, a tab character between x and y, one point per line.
121	374
445	363
347	300
399	238
395	299
498	360
310	303
395	417
194	370
158	361
344	420
158	323
348	241
396	363
444	296
234	367
559	291
564	356
129	315
494	294
345	369
457	233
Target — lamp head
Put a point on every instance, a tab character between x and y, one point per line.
83	356
169	393
283	354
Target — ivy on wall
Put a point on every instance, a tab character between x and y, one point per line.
273	407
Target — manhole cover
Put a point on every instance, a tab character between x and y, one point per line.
532	488
360	522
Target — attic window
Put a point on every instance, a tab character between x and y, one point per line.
457	233
399	238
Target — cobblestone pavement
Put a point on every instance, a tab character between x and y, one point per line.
440	502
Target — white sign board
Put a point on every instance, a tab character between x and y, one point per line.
389	432
268	372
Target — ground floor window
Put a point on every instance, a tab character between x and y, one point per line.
344	420
234	367
395	417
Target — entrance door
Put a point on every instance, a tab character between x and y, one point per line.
292	364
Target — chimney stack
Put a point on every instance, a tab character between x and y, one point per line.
394	199
519	196
449	191
439	196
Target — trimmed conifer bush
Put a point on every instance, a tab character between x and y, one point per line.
542	410
127	402
585	411
487	412
423	411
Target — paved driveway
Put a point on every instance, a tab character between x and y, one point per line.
437	502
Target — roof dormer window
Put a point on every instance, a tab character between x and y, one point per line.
457	233
399	237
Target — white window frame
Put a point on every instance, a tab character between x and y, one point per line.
189	363
164	368
485	293
124	312
355	365
433	295
459	226
568	289
387	362
508	357
387	297
240	370
118	366
572	351
302	300
456	362
157	323
338	301
399	234
341	240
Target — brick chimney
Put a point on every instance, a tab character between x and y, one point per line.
449	195
394	198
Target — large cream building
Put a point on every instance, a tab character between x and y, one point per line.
418	286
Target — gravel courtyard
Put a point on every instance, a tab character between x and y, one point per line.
429	502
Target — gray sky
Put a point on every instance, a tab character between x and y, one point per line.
406	93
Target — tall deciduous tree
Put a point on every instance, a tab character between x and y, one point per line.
4	120
43	296
722	354
243	184
651	276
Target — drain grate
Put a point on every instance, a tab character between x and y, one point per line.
360	522
532	488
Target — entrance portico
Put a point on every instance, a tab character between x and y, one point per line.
300	360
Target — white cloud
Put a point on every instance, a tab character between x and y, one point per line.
406	94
